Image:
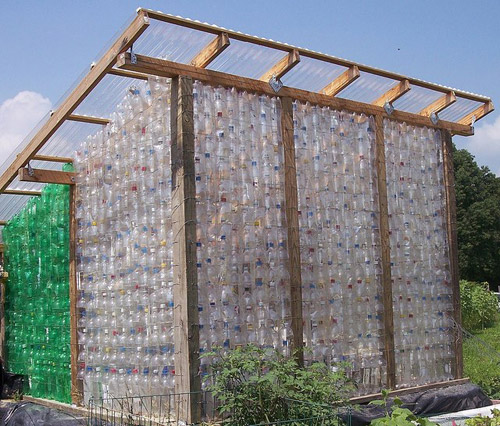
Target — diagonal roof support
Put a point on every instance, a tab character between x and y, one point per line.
341	82
394	93
211	51
439	104
478	113
283	66
94	76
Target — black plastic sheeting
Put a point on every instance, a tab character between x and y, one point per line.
28	414
429	403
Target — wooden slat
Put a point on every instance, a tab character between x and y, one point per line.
186	323
439	104
95	75
88	119
234	35
47	176
386	253
22	192
164	68
292	219
211	51
341	82
3	222
394	93
53	159
478	113
128	74
76	385
282	67
451	226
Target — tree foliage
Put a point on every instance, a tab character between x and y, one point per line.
478	220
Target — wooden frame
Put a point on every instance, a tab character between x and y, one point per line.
46	176
478	113
342	81
394	93
282	67
210	52
88	119
52	159
22	192
439	104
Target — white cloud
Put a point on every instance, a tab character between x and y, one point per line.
485	145
18	116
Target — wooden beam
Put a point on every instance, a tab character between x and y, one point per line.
186	322
128	74
386	253
451	227
53	159
394	93
22	192
3	222
439	104
282	67
478	113
342	81
235	35
47	176
94	76
164	68
76	385
292	218
211	51
88	119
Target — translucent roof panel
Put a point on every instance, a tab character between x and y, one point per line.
416	99
312	74
459	109
367	88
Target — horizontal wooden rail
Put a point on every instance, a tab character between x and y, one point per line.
128	74
53	159
47	176
22	192
88	119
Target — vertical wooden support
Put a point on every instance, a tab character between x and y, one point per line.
2	304
292	219
76	385
186	324
451	225
386	253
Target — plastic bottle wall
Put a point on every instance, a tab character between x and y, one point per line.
37	294
419	254
242	237
339	239
125	250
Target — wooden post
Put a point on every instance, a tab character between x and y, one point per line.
292	219
76	385
186	323
386	253
2	303
451	226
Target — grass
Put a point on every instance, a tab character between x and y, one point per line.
482	362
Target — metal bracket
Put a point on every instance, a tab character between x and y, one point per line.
275	83
31	172
389	108
434	118
133	58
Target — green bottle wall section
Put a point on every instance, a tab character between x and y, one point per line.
37	294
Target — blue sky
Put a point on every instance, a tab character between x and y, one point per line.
47	44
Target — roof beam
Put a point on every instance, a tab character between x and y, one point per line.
439	104
88	119
164	68
52	159
235	35
128	74
211	51
94	76
22	192
3	222
282	67
46	176
342	81
394	93
478	113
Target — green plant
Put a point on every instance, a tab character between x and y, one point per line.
255	385
479	305
484	420
397	416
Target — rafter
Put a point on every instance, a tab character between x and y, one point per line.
22	192
46	176
128	74
342	81
211	51
3	222
394	93
478	113
439	104
283	66
88	119
53	159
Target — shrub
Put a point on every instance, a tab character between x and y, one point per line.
256	385
479	305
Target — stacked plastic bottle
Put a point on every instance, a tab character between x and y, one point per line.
37	294
339	238
125	250
242	248
419	254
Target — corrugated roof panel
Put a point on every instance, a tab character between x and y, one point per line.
416	99
459	109
367	88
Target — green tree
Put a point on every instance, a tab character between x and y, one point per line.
478	220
